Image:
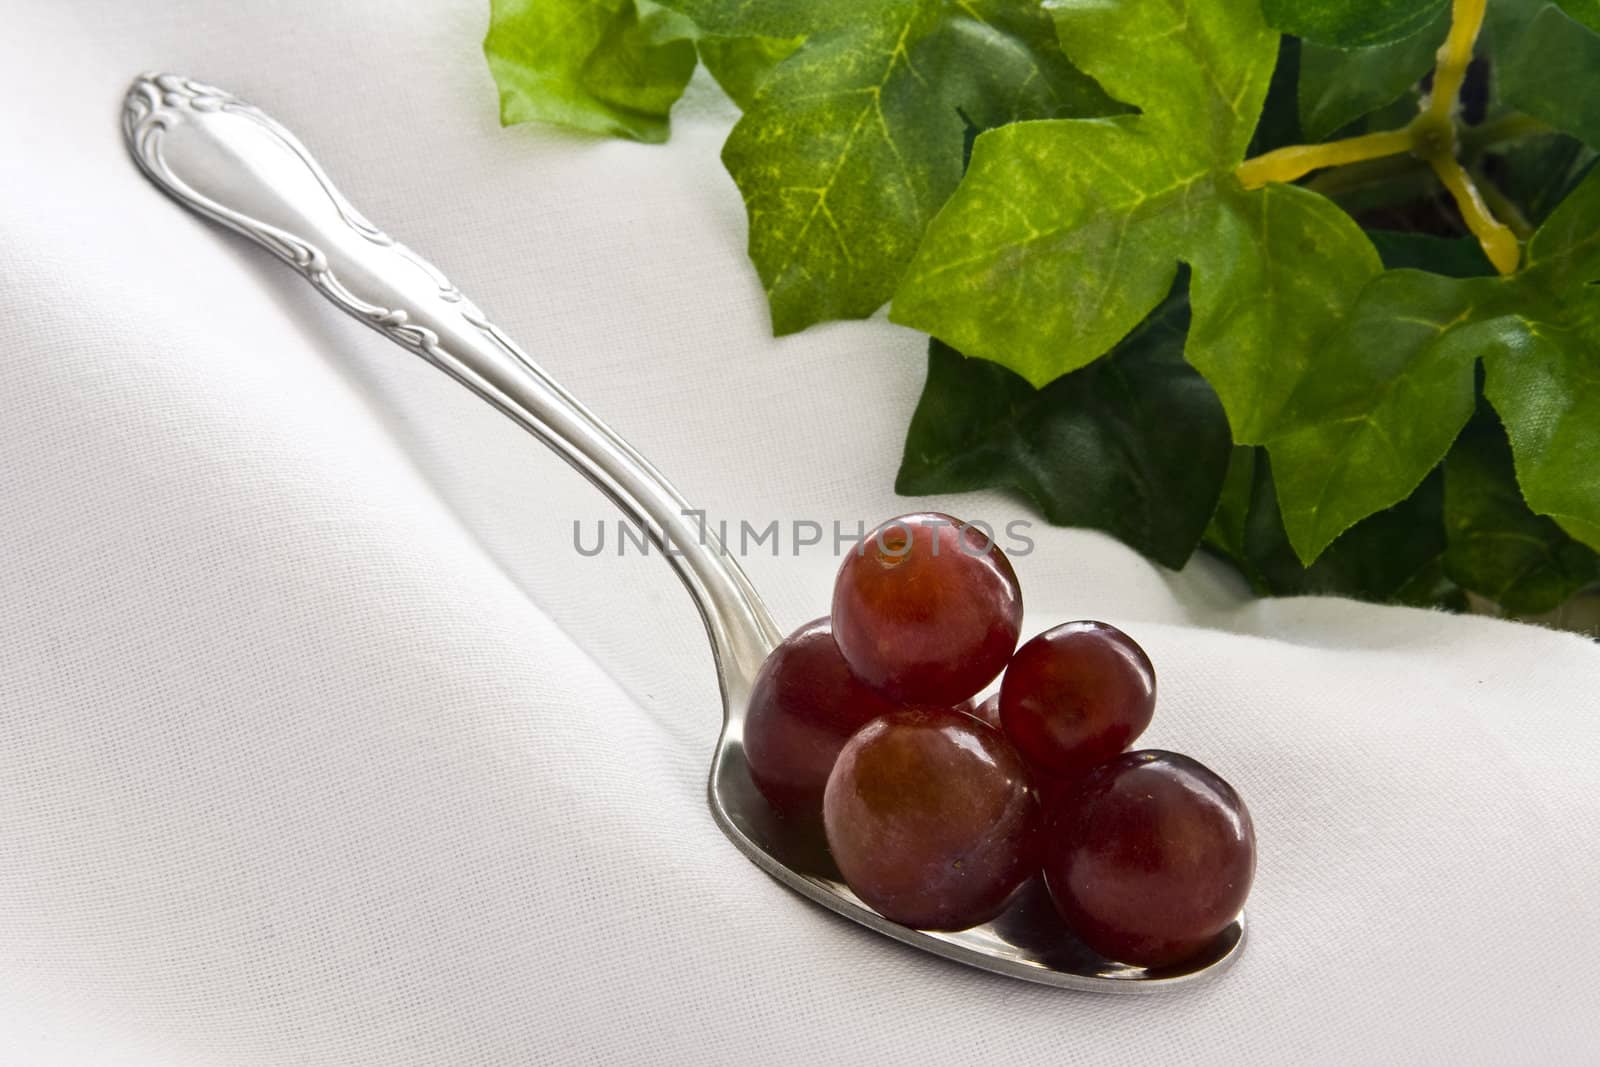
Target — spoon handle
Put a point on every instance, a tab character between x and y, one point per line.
230	162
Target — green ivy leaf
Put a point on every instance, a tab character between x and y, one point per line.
1066	233
663	25
854	141
768	18
592	65
1547	386
1454	257
1338	86
1544	63
1135	445
1228	533
1393	556
1279	124
1585	11
1538	173
741	64
1395	386
1496	546
1381	408
1351	23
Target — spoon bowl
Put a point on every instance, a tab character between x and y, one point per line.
231	163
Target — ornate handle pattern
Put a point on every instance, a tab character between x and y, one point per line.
227	160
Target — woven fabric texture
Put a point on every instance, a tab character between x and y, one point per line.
321	744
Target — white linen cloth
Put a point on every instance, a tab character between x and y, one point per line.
320	743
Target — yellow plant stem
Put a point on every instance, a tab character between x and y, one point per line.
1500	205
1296	161
1498	242
1431	137
1466	20
1473	142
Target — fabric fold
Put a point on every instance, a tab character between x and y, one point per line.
321	742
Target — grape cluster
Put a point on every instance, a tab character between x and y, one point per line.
937	806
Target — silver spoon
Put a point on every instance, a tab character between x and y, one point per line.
228	161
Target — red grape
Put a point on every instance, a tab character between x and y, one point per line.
926	611
1048	788
987	709
930	819
1149	858
1075	696
803	708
